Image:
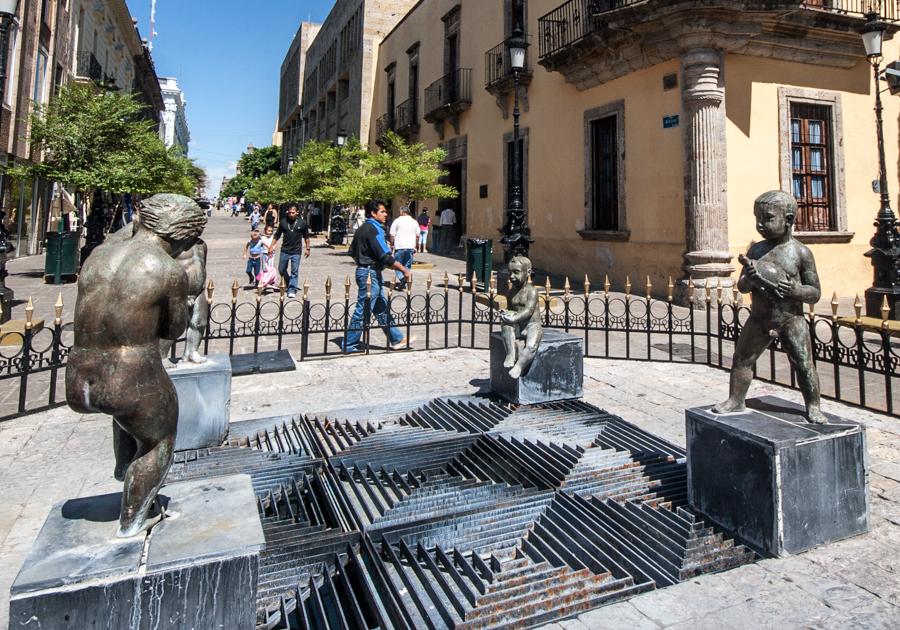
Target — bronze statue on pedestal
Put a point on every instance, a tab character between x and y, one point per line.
522	332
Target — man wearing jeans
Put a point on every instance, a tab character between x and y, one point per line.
404	234
372	254
295	233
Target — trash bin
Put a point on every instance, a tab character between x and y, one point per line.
338	230
61	257
479	258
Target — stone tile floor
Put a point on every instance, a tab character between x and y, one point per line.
55	455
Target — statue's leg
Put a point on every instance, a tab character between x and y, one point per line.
125	448
798	345
753	341
196	330
533	335
154	426
509	341
165	348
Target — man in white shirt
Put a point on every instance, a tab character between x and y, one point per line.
404	235
448	230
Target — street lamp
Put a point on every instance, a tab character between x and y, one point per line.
341	138
7	13
516	233
885	252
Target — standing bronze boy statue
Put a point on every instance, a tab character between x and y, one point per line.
780	273
131	293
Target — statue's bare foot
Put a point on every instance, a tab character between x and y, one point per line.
138	527
516	372
816	416
509	362
121	469
728	406
194	357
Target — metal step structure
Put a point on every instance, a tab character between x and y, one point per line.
465	512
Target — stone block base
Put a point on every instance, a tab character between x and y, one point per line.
199	569
557	372
204	401
779	483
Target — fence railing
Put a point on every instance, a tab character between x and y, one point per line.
88	67
451	89
856	365
496	65
574	20
406	115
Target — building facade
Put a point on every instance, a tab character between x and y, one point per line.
648	128
51	43
339	71
173	128
290	119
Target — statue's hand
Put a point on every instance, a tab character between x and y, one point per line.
506	317
788	289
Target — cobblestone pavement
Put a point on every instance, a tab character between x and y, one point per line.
48	457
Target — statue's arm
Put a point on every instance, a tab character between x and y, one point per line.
177	311
810	290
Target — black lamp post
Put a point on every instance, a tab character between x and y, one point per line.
516	233
341	138
7	13
885	252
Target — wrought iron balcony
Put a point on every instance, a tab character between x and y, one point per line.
89	67
497	70
449	95
575	20
407	117
383	125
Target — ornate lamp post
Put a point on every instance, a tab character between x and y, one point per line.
885	252
7	13
341	138
516	233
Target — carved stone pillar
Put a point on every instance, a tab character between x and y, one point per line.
705	177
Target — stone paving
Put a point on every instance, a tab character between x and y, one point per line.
51	456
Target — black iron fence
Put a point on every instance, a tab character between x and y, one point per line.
497	67
88	67
406	115
574	20
857	365
451	89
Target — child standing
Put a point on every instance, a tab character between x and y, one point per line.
253	251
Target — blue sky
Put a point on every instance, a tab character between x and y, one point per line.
227	57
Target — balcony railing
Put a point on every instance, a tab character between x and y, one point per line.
450	91
384	124
496	65
571	22
89	67
406	116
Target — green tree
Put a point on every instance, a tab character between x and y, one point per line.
269	188
91	139
251	166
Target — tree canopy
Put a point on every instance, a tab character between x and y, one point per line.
93	139
252	166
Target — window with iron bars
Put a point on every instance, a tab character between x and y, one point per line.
812	173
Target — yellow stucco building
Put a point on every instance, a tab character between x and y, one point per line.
649	127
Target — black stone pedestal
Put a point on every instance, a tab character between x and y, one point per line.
557	372
779	483
197	570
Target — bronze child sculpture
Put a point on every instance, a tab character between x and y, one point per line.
521	328
781	275
131	293
193	261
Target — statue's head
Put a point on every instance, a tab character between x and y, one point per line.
174	218
519	270
775	212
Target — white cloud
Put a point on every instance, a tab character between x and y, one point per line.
215	173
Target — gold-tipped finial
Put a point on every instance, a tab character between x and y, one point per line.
305	290
347	288
282	289
708	290
857	306
409	285
390	289
29	313
428	284
234	291
328	288
259	293
670	291
567	287
493	284
885	312
834	306
649	287
587	285
474	282
627	286
460	282
210	289
547	286
446	282
606	285
734	293
718	291
58	307
368	286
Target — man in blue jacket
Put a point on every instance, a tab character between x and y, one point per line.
372	254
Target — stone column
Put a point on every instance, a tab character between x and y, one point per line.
705	177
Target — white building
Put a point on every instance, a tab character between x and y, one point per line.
173	128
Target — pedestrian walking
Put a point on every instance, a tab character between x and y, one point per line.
295	233
448	230
255	219
253	252
371	253
404	236
271	217
424	222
